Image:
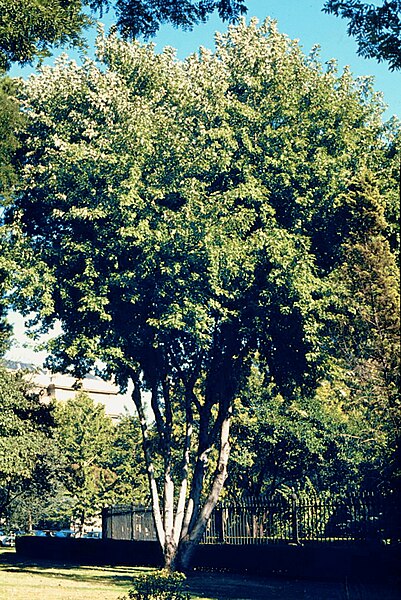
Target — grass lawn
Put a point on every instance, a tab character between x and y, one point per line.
22	580
42	580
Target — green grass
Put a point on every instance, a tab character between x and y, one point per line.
42	580
23	580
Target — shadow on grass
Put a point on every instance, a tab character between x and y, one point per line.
119	576
216	586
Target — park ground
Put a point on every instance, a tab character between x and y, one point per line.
42	580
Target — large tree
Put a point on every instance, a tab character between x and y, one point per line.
189	216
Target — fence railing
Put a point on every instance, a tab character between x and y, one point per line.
293	519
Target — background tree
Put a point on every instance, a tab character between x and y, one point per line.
126	461
324	442
347	435
84	436
27	456
189	216
368	344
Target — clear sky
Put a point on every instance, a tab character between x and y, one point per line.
299	19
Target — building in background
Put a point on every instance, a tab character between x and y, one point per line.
62	387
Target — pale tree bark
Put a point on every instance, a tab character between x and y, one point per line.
165	434
181	505
180	513
194	535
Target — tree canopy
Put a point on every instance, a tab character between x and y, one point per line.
29	30
186	218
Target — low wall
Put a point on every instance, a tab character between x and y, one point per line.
319	562
90	551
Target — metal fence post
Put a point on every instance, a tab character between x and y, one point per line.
294	519
218	522
105	522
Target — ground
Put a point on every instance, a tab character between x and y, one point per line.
25	580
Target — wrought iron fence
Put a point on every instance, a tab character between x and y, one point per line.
128	523
363	518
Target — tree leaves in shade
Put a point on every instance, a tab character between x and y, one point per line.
375	26
145	17
26	453
29	29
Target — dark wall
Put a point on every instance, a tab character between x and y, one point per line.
320	562
90	552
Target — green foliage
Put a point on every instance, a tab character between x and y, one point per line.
377	28
11	122
162	585
145	17
27	458
87	463
100	464
365	328
126	462
84	436
29	29
322	440
165	170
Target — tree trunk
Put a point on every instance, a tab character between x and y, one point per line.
136	396
179	532
189	543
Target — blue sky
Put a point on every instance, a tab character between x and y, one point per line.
299	19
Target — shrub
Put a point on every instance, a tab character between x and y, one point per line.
162	585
